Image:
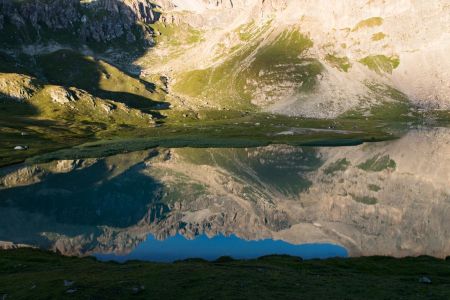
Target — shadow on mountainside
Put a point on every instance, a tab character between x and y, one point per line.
99	79
102	28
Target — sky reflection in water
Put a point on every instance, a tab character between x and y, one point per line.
178	248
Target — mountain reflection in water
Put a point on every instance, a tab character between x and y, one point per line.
389	198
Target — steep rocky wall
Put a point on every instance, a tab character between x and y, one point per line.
100	21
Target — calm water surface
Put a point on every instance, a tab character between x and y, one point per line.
389	198
179	248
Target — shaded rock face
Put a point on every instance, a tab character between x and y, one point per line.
99	21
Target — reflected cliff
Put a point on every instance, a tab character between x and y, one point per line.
389	198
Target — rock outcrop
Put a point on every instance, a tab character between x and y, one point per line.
99	21
17	87
61	95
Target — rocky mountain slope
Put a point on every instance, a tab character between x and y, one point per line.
307	58
99	21
312	58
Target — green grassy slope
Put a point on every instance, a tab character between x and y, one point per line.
68	68
281	65
33	274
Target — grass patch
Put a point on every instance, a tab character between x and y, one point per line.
378	36
232	132
338	166
365	199
378	163
391	106
374	187
176	35
381	63
98	78
341	63
367	23
247	31
282	62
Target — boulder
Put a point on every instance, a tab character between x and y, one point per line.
20	148
17	87
61	95
425	280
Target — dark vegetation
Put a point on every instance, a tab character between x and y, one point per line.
35	274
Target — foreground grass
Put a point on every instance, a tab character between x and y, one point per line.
34	274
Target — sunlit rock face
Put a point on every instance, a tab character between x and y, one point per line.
389	198
360	44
